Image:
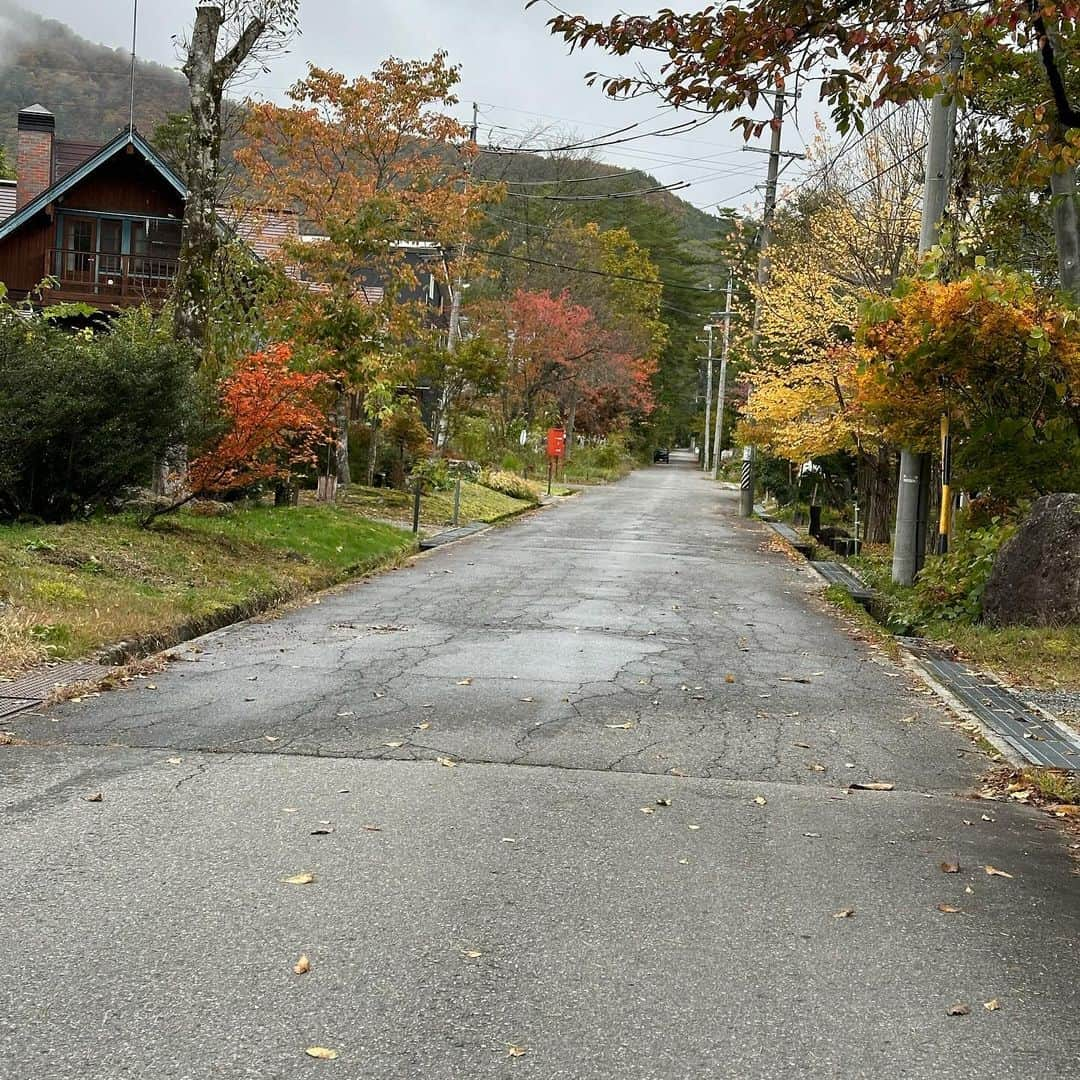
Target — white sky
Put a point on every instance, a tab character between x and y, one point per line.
522	77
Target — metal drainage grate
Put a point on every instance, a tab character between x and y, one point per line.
1035	737
837	574
30	690
451	535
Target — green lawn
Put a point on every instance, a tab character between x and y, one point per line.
478	503
68	590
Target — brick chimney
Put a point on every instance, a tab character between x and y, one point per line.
37	128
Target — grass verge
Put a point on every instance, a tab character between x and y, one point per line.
478	503
67	591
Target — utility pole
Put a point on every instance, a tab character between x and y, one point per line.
909	538
708	402
746	502
721	393
453	333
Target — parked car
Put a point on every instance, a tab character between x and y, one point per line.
661	453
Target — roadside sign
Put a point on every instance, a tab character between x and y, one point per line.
556	442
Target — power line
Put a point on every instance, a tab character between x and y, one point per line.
587	270
601	196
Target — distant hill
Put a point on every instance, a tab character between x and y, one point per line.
84	84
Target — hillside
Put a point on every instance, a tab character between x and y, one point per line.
84	84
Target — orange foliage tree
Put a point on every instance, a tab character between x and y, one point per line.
275	423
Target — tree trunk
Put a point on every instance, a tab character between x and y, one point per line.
373	448
341	437
1066	230
570	424
877	489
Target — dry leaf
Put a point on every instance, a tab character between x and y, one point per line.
760	800
693	828
802	745
948	909
993	871
812	835
322	830
526	699
96	797
729	678
663	802
872	785
290	810
393	745
423	727
300	879
844	913
303	965
322	1053
620	727
950	868
816	766
446	763
271	738
648	809
176	761
472	954
372	828
1021	796
464	682
992	1005
678	772
516	1051
959	1009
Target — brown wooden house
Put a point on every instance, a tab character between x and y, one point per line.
103	222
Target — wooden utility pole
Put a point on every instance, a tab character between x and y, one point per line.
705	447
909	538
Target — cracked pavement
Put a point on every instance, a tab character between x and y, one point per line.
636	644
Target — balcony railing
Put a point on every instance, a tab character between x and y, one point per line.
113	277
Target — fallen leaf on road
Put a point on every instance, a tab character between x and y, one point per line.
96	797
729	678
678	772
803	745
378	694
508	840
472	954
948	909
760	800
393	745
792	678
526	699
950	868
992	1005
993	871
303	965
322	830
299	879
620	727
423	727
812	835
271	738
648	809
663	802
516	1051
464	682
816	766
371	828
959	1009
693	828
1021	796
907	719
322	1053
446	763
290	810
176	761
872	785
844	913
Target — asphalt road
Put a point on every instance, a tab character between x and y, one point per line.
636	645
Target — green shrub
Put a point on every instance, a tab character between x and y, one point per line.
433	473
81	416
512	485
949	588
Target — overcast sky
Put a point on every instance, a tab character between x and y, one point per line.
522	77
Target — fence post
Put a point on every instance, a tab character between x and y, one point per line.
416	507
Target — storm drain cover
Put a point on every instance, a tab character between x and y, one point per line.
34	688
1036	737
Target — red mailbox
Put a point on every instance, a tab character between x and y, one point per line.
556	446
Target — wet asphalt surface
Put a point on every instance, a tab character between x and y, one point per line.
631	647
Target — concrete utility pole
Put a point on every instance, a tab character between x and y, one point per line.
909	538
721	393
746	502
705	464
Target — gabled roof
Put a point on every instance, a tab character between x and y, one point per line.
109	150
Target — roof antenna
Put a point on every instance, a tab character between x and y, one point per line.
134	36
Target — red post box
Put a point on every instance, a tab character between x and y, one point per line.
556	442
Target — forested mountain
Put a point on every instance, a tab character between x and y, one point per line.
85	85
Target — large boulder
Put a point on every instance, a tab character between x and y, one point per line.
1035	580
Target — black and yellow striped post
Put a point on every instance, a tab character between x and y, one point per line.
945	518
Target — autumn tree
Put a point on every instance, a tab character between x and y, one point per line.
274	422
227	35
377	166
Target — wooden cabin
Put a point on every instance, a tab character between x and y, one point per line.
102	221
